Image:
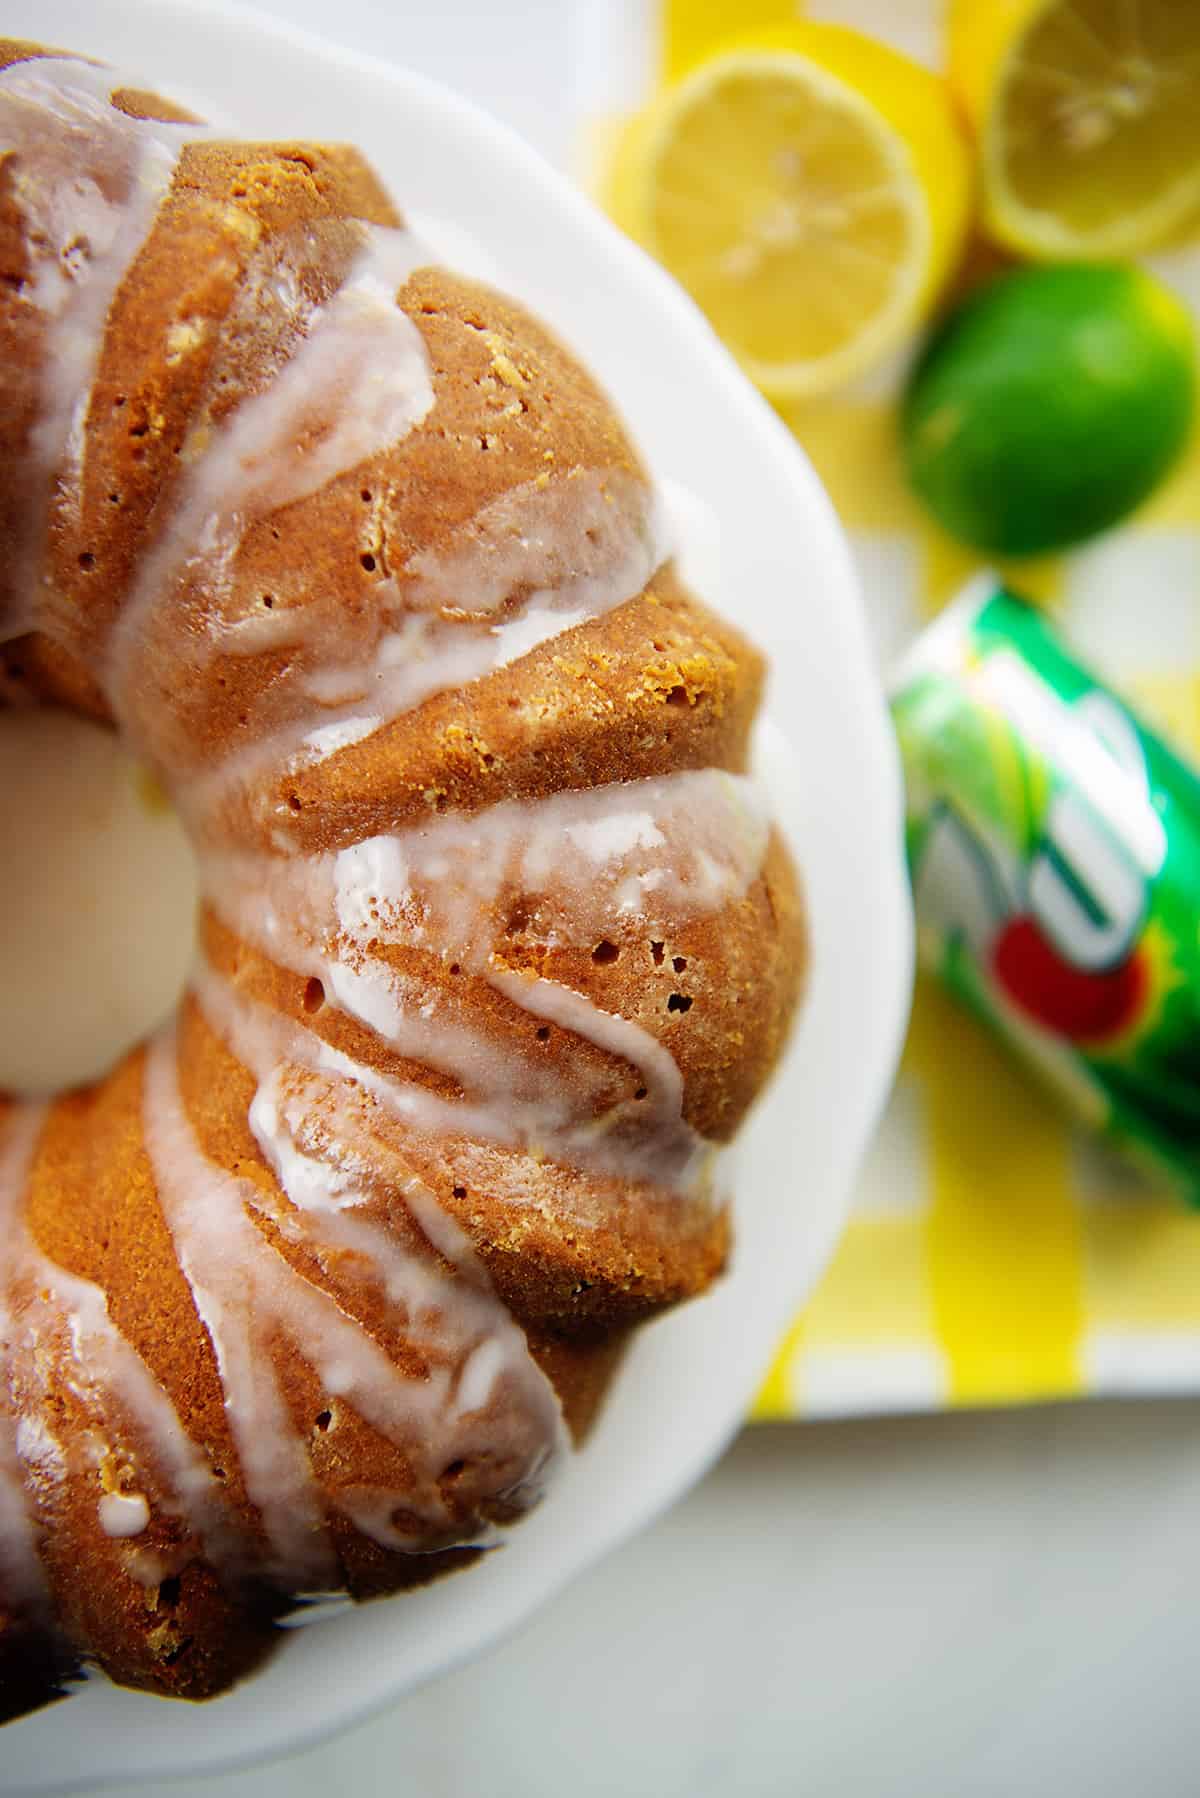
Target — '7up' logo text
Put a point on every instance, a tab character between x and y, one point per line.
1052	907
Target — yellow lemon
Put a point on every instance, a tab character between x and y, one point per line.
1088	119
809	188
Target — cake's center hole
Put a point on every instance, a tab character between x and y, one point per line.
97	902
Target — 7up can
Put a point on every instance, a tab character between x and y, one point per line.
1054	846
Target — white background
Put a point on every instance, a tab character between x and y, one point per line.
971	1605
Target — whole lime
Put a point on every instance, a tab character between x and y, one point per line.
1049	405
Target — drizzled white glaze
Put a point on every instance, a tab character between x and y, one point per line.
88	181
50	1320
251	1299
621	1037
263	1041
676	846
547	556
358	381
123	1514
578	865
340	1226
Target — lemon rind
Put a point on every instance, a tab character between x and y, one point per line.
887	330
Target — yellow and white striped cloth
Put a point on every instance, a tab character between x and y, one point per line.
994	1255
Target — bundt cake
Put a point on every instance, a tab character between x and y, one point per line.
496	944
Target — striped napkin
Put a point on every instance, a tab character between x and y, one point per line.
994	1255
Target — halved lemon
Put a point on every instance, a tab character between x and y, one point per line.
1088	119
810	190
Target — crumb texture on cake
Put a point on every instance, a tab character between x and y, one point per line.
497	943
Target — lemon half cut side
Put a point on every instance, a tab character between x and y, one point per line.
810	192
1087	114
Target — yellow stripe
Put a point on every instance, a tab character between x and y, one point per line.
854	448
1003	1227
997	1278
692	29
777	1394
1171	703
874	1296
1142	1264
991	1272
876	1292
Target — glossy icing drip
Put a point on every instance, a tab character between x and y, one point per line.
642	856
54	1321
250	1298
546	557
580	862
88	181
357	381
123	1514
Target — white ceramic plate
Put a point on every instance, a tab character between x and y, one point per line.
785	576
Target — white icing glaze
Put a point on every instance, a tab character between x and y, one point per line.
220	1254
547	556
124	1514
674	847
251	1299
88	181
437	630
358	380
513	1105
264	1040
572	542
65	1320
550	999
639	853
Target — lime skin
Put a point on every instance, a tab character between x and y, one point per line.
1049	405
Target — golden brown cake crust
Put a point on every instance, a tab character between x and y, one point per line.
642	1030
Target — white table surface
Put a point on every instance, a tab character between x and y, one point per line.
982	1606
970	1606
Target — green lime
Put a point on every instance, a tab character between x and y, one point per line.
1049	405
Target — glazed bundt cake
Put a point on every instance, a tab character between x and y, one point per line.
496	944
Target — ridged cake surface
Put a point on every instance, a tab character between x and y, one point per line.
496	943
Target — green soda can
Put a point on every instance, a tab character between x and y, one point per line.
1054	845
